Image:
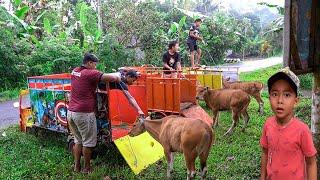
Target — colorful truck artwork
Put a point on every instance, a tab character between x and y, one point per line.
49	109
49	97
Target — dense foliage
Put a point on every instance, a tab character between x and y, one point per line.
44	37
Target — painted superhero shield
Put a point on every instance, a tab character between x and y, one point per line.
60	110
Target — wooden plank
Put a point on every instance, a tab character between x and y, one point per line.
286	33
294	54
312	34
316	57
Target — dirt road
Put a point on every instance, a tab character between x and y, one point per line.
9	115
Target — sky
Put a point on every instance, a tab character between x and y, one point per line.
248	5
250	2
245	5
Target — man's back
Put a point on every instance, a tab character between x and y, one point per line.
84	83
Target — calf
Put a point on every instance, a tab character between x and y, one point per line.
252	88
190	136
235	100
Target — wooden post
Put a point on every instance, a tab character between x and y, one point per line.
286	33
315	115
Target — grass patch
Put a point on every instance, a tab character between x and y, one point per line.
25	156
9	95
306	81
262	75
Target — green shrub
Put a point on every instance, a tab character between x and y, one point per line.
11	76
113	55
306	81
51	57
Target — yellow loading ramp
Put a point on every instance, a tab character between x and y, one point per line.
140	151
207	77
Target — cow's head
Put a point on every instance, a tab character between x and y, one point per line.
138	128
226	81
200	92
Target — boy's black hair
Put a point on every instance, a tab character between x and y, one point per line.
172	44
89	57
132	74
198	20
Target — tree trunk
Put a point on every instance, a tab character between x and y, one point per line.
99	15
315	115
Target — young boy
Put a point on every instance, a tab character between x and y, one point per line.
172	61
194	36
288	150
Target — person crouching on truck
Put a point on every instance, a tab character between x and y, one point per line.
171	61
81	116
128	77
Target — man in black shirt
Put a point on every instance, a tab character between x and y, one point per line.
171	61
194	36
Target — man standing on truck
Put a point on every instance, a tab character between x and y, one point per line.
81	117
172	61
194	36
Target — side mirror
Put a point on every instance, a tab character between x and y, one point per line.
16	104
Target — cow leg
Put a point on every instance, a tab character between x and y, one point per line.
215	117
171	162
203	163
169	157
260	102
190	157
235	116
246	119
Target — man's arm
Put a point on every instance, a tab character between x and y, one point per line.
179	66
194	36
311	163
110	78
179	69
264	161
167	66
133	102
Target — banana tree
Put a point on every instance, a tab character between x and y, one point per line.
15	20
92	39
176	30
278	23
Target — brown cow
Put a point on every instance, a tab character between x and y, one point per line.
235	100
190	136
252	88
